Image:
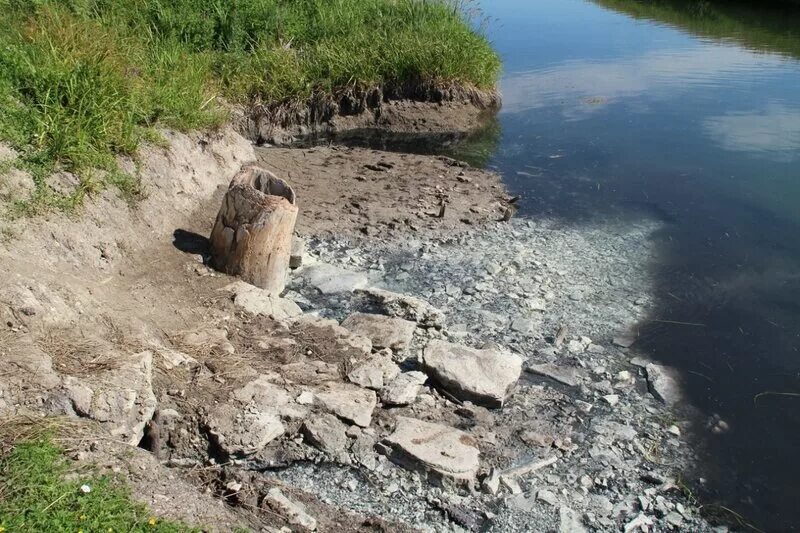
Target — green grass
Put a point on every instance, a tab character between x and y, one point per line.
82	81
37	495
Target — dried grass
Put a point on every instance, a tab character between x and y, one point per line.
75	354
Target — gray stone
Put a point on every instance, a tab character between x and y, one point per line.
260	302
485	377
523	325
624	341
382	330
664	383
294	513
326	432
348	402
403	390
297	253
403	306
440	451
329	279
569	521
121	398
240	431
548	497
374	372
566	375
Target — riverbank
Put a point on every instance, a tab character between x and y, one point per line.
190	380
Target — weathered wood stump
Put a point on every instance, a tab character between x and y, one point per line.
252	236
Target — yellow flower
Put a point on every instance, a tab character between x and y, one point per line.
83	517
152	521
2	529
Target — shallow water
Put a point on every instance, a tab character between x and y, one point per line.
606	115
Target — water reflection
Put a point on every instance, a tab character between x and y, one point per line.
596	84
773	132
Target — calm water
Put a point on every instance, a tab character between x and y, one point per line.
607	115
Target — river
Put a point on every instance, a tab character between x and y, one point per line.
687	112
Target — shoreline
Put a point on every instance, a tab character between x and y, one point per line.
178	323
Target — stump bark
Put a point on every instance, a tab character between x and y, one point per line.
252	236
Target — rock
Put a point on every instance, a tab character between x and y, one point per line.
674	519
403	306
491	485
511	484
374	372
326	432
664	383
261	393
348	402
566	375
260	302
624	341
523	325
403	389
243	431
611	399
290	511
382	330
329	279
576	347
642	522
120	398
297	253
440	451
485	377
569	521
547	497
344	339
209	338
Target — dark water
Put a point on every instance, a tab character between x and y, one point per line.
690	113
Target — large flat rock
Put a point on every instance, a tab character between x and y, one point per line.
485	377
329	279
245	431
664	383
384	331
260	302
440	451
348	402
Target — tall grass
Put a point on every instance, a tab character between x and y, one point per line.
84	80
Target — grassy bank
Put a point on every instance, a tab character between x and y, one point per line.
84	80
40	492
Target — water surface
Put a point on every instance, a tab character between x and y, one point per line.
688	112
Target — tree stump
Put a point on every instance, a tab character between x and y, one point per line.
252	236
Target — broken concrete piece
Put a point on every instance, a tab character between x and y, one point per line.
292	512
382	330
121	398
434	449
484	377
243	432
566	375
348	402
326	432
403	390
403	306
261	302
664	383
374	372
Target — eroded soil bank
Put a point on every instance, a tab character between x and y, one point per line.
433	366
